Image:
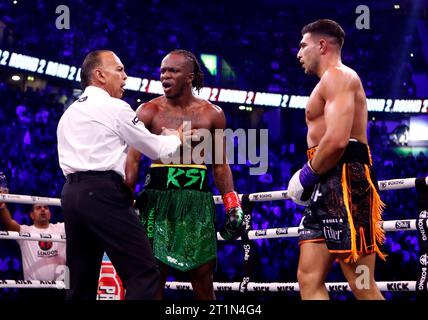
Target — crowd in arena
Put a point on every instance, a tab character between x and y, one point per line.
262	53
258	44
28	125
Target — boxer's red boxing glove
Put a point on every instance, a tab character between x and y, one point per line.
234	226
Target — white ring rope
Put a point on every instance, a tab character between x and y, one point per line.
13	235
287	232
18	198
32	284
292	286
388	286
392	225
394	184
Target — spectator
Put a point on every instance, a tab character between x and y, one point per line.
42	260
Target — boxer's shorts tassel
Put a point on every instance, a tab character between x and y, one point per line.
347	199
377	207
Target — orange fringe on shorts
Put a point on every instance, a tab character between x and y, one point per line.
377	207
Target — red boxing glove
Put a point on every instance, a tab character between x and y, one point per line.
234	226
231	200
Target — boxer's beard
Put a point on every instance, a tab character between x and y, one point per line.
177	91
312	68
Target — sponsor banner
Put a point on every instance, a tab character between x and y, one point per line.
261	233
185	287
403	224
396	184
260	287
109	285
421	283
421	227
247	251
397	287
45	236
423	260
280	231
286	288
423	214
243	286
338	287
224	287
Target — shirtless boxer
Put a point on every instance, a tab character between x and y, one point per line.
337	184
176	207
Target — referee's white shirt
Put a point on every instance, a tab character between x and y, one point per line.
95	131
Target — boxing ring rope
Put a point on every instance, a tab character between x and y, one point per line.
13	235
387	286
394	184
392	225
291	286
245	285
32	284
287	232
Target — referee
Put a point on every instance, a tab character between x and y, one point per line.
93	137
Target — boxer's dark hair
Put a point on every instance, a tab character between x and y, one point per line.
198	81
92	60
326	27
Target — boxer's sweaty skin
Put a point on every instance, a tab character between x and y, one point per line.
179	106
336	111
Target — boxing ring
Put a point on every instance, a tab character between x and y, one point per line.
420	223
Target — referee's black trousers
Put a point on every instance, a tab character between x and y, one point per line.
99	217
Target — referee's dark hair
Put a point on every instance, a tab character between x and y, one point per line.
92	60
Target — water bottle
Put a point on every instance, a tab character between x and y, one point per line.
3	183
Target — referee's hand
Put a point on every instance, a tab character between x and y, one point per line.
185	136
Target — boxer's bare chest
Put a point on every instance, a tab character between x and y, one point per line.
314	115
315	106
172	117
